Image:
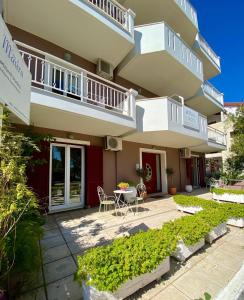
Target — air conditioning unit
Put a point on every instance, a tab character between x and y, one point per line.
185	153
113	143
104	69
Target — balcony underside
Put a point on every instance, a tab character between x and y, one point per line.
209	147
60	113
73	25
210	69
204	104
160	73
165	138
168	10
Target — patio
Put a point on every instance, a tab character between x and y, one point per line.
69	234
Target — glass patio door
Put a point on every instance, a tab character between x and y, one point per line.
66	176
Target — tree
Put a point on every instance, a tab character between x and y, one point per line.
234	165
19	216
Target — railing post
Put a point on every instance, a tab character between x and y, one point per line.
130	103
82	86
130	17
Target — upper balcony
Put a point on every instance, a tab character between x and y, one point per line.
66	97
162	63
216	142
211	61
87	28
167	122
179	14
208	100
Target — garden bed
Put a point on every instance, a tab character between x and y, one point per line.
189	209
129	287
228	195
216	232
237	222
183	251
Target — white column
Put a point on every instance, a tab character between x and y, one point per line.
130	21
132	103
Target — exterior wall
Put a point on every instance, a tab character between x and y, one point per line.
122	165
46	46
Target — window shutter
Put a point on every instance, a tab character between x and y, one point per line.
94	174
38	175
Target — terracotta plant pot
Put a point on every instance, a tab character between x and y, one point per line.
172	190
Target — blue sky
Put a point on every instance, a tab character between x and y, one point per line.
221	23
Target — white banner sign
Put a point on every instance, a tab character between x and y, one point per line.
15	78
191	119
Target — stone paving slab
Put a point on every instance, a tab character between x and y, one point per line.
38	294
63	289
55	253
59	269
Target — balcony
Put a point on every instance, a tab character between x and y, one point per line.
77	25
179	14
211	61
66	97
167	122
208	100
162	63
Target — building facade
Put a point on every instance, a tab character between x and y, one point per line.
216	161
119	86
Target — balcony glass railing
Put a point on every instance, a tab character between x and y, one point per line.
189	10
208	50
209	89
216	136
115	11
61	77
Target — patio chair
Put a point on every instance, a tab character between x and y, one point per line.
105	200
136	196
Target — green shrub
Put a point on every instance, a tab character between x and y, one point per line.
213	217
234	210
220	191
108	267
185	200
190	229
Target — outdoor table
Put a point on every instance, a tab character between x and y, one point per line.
118	194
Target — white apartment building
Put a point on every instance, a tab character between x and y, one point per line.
119	85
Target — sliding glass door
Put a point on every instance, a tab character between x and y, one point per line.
66	176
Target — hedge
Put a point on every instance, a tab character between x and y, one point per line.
108	267
220	191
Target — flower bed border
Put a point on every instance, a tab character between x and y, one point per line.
129	287
216	233
183	251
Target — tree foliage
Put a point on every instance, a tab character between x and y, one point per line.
19	217
234	165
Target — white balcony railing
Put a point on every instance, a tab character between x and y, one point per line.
115	11
57	76
216	136
185	117
213	92
189	10
207	49
180	50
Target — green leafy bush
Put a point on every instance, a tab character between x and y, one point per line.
190	229
213	217
108	267
185	200
220	191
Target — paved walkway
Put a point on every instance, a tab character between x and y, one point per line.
69	234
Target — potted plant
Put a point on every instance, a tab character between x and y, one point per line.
172	188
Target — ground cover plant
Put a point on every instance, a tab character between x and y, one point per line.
221	191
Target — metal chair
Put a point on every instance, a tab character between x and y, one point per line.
141	190
105	200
